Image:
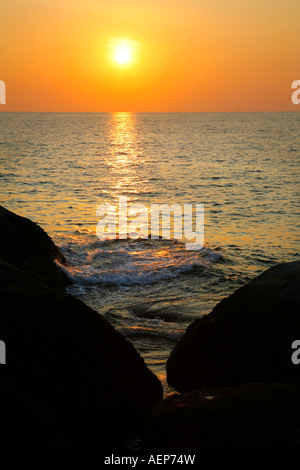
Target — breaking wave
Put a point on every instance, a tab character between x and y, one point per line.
132	263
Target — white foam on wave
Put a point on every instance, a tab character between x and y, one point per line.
139	263
130	275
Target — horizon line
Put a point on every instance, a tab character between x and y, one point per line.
152	112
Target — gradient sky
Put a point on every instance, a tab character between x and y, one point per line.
193	55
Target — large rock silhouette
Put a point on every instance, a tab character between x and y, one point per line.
253	416
246	338
71	380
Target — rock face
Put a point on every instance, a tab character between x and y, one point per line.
258	416
28	247
71	380
228	366
246	338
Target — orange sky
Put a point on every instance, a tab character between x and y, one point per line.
193	55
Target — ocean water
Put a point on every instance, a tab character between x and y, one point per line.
57	169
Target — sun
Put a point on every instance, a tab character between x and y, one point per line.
123	52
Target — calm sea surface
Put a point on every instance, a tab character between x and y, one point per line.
57	168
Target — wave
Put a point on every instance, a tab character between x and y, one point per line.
89	276
172	335
162	311
134	262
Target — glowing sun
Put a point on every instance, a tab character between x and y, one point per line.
123	52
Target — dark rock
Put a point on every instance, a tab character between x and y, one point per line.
26	245
76	382
246	338
257	416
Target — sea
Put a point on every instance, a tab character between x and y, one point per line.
58	168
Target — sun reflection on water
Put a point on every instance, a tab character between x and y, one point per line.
124	160
126	154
